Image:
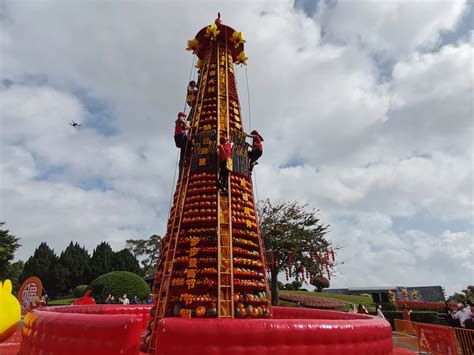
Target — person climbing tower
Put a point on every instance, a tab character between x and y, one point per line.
225	162
257	148
180	135
191	93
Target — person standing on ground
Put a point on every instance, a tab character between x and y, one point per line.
361	309
406	313
379	311
463	314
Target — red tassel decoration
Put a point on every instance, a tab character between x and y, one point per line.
333	256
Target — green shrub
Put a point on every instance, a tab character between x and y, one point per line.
424	317
80	290
388	307
416	316
118	283
320	282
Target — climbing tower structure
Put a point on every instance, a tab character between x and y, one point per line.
211	262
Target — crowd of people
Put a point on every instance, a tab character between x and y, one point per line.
461	316
125	300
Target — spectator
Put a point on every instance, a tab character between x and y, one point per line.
108	300
470	322
406	313
135	300
352	308
361	309
379	311
463	314
125	300
149	299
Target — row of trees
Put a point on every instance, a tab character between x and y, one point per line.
74	266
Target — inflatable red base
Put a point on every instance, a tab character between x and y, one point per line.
116	329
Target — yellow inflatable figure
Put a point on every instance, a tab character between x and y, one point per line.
10	311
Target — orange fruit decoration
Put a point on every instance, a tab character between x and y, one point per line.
200	311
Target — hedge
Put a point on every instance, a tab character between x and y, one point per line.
415	316
79	290
118	283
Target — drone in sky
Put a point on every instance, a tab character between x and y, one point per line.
74	124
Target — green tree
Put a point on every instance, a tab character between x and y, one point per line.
101	261
42	264
145	250
320	282
292	236
296	285
466	295
75	259
118	283
124	260
8	245
13	273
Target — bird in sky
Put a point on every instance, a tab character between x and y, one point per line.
74	124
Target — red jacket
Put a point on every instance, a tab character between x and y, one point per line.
257	143
225	151
179	128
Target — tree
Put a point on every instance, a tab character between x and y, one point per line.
118	283
293	237
320	282
124	260
75	259
147	250
13	273
101	261
8	245
466	295
42	264
296	285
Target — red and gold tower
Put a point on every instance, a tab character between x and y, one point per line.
212	258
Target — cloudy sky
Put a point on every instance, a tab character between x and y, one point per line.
365	107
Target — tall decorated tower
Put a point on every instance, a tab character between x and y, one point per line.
212	258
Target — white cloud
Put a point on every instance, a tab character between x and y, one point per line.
392	28
363	151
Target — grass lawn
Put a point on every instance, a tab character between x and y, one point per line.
65	301
366	301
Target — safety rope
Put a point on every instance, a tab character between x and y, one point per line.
189	79
176	164
254	174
